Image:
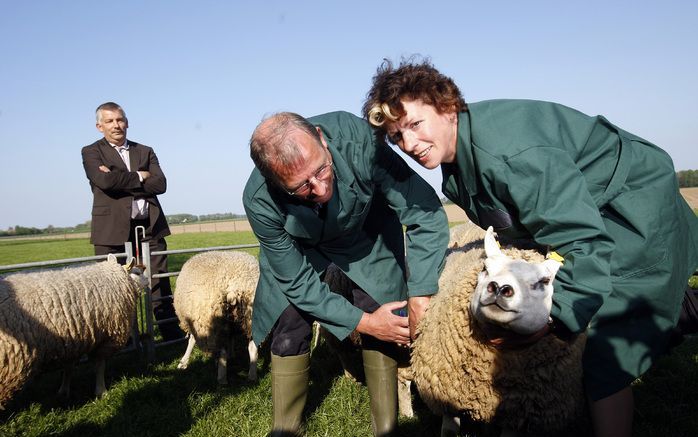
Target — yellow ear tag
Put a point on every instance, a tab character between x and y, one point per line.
555	257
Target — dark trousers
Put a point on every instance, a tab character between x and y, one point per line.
162	309
292	333
688	318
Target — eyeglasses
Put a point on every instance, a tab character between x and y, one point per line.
320	175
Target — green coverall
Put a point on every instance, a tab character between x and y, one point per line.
603	198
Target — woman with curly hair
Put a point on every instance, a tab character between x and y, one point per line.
604	199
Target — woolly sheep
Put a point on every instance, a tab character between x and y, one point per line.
349	350
458	370
464	234
213	300
55	317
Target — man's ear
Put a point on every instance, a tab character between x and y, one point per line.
322	138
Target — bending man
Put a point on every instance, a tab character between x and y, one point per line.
323	192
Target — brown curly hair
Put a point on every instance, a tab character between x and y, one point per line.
411	80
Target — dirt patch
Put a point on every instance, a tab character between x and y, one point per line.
691	196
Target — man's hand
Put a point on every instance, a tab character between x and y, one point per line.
104	169
144	174
416	307
386	326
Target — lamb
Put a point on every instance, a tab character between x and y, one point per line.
55	317
213	300
457	364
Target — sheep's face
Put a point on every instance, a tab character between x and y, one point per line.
514	294
135	271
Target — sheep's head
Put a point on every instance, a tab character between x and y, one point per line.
135	271
514	294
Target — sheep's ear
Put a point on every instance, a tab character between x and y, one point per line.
492	249
129	265
550	267
111	258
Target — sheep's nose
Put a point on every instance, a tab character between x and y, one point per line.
504	290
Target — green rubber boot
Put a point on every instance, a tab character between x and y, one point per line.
381	380
289	390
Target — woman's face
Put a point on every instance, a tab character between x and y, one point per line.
425	135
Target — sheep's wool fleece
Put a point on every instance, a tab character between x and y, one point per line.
57	316
215	291
538	387
464	234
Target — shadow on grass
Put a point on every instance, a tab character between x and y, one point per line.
152	400
324	368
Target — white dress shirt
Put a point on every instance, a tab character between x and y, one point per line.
139	208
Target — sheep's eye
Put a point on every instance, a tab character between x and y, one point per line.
542	282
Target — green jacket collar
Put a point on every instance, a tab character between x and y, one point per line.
459	177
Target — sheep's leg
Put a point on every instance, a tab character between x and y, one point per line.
100	387
222	367
404	398
252	350
184	362
64	390
316	335
450	426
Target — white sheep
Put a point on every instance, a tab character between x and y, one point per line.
461	236
213	300
464	234
486	296
55	317
349	350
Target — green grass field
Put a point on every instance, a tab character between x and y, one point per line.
160	400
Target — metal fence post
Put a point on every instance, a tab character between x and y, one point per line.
135	331
150	338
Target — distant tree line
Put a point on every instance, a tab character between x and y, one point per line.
687	178
175	219
16	231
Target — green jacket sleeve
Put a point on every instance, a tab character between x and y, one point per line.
414	201
422	215
290	269
554	204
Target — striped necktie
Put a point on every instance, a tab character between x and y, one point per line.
124	157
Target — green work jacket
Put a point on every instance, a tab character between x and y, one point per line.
604	199
361	231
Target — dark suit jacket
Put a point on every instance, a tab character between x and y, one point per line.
114	191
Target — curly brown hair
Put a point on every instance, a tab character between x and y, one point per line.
411	80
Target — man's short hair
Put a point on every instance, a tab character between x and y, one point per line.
108	106
272	143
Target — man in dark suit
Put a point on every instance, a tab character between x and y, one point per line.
125	178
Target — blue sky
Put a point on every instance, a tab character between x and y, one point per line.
196	77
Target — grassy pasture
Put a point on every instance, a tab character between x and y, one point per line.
160	400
